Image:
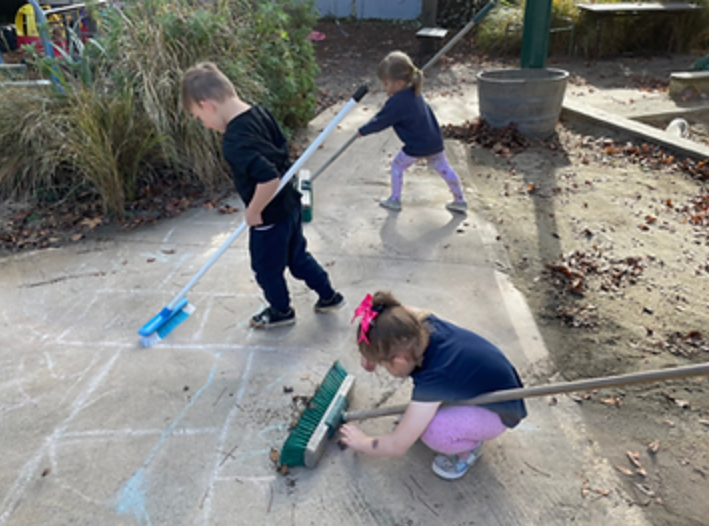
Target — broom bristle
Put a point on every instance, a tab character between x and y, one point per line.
293	451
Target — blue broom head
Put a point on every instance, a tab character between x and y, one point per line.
164	323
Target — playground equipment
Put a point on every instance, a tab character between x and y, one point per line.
61	21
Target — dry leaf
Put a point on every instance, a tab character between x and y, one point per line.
647	491
76	237
168	251
634	459
585	489
613	400
275	456
228	209
604	492
623	470
653	447
669	422
150	260
91	223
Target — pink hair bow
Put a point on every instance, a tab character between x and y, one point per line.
368	314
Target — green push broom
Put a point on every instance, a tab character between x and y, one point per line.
326	411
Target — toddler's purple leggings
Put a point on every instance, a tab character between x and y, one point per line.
459	429
439	163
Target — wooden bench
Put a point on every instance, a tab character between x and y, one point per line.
602	12
430	39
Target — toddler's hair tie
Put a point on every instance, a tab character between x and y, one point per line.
368	313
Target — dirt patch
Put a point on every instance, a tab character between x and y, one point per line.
612	255
608	240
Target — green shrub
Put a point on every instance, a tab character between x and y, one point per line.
116	122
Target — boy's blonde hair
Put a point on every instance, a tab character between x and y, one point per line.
204	81
394	329
397	65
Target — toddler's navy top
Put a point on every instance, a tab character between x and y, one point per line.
458	365
413	121
257	152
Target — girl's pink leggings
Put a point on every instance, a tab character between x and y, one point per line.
438	162
459	429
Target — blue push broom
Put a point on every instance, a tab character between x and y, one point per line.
179	309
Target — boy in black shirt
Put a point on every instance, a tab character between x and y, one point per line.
257	153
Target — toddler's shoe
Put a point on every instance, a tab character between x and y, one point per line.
452	467
390	204
336	302
270	318
457	206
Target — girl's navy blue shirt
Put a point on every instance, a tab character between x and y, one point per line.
458	365
413	121
257	152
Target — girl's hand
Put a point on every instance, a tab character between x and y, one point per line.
367	365
355	438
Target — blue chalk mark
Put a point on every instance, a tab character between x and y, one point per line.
132	498
275	427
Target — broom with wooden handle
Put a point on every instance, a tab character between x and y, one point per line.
327	410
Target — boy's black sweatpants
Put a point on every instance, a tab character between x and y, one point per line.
275	247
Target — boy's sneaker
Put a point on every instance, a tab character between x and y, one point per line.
336	302
457	206
390	204
452	467
270	318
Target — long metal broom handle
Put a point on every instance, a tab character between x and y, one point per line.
552	389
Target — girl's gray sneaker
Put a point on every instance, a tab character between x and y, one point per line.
457	206
390	204
452	467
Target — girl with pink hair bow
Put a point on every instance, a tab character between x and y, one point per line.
447	364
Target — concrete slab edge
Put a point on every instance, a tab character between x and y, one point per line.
574	110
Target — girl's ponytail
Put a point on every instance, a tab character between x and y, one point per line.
417	81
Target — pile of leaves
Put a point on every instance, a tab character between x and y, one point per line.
70	220
697	210
506	141
573	271
650	156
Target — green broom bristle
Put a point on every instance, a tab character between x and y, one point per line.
293	451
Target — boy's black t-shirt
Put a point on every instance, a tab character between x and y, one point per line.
458	365
257	152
